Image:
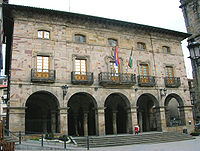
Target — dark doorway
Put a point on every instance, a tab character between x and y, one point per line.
147	113
82	115
174	111
42	114
116	114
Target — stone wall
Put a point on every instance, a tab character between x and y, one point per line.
62	50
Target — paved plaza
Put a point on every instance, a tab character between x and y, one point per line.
189	145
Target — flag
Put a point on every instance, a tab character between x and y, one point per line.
130	62
116	56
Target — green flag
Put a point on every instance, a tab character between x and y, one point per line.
130	62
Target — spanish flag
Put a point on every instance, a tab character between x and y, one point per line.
116	56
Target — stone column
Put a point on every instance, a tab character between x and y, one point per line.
76	124
114	122
64	120
161	125
189	117
140	120
134	119
53	122
101	121
17	119
85	123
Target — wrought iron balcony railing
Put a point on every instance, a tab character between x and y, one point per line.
39	75
82	78
146	81
172	82
106	78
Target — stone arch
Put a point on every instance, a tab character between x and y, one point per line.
42	113
148	113
117	114
174	110
82	115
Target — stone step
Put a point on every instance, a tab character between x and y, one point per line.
115	140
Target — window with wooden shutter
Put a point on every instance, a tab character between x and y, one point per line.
170	74
144	73
42	66
81	69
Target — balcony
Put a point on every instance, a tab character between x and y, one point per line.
172	82
146	81
106	78
46	76
85	78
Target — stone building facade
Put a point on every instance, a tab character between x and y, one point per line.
191	13
64	79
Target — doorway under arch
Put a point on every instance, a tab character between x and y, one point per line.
42	113
117	114
148	113
174	110
82	115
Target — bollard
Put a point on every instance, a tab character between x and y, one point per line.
20	137
88	143
65	138
42	143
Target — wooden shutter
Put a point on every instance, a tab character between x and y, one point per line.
42	67
81	69
170	74
144	73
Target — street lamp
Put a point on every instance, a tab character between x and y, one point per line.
194	48
64	88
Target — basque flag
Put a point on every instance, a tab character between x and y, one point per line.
116	56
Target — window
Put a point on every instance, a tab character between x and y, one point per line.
42	66
79	38
141	46
80	69
166	49
112	42
43	34
144	73
170	74
114	71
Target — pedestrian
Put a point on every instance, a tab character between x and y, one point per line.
136	129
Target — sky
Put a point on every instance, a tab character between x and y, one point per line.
158	13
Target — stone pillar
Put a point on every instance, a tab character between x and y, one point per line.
64	120
85	123
161	125
53	122
101	121
76	124
114	122
134	119
140	120
189	117
17	119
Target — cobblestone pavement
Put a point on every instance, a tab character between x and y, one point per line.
189	145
